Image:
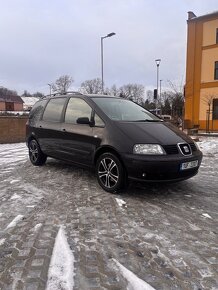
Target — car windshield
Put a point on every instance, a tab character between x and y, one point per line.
124	110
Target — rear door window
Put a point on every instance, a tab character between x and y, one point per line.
54	109
77	108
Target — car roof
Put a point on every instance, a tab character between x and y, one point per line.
77	94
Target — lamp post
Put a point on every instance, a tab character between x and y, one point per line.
102	60
158	64
50	88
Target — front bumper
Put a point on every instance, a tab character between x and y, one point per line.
164	168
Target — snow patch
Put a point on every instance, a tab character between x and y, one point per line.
207	215
209	145
121	202
2	241
37	227
15	221
15	196
61	269
134	283
14	181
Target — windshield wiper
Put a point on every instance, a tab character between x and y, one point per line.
147	120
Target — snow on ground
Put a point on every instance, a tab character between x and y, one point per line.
13	153
207	215
134	283
121	202
38	226
15	196
2	241
15	221
61	269
208	145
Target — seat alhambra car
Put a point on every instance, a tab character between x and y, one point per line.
115	136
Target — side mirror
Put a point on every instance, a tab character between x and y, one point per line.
83	120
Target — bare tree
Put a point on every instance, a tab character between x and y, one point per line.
134	92
114	90
91	86
62	84
7	92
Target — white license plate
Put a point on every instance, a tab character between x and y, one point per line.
188	165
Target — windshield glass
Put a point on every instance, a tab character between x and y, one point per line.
124	110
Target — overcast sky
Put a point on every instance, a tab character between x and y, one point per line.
42	40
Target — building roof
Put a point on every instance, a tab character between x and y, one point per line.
29	101
11	99
193	17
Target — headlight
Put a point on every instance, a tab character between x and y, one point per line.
148	149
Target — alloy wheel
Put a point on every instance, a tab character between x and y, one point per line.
34	152
108	172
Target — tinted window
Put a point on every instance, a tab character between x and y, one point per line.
215	109
98	121
124	110
54	110
216	70
37	110
217	36
77	108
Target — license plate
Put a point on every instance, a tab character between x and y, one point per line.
188	165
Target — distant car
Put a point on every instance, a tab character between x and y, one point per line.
116	137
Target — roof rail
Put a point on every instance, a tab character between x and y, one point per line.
62	94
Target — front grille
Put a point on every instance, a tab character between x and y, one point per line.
193	146
171	149
185	148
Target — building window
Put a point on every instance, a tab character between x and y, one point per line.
216	70
215	109
217	36
9	106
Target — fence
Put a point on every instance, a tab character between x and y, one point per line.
12	129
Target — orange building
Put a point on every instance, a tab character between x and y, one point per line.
201	88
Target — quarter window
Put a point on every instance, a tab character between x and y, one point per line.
98	121
216	70
36	112
215	109
77	108
53	110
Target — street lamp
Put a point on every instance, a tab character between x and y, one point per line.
50	88
158	64
102	64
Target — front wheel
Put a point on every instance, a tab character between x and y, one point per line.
37	157
110	172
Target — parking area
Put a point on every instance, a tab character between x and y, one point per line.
165	234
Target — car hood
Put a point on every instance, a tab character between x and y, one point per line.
153	132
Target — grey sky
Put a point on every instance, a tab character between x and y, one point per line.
42	39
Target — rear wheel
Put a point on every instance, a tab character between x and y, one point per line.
37	157
110	172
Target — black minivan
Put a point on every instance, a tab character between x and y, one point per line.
115	136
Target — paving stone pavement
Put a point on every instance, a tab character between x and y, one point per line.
167	235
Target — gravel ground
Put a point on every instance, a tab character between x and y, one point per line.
166	235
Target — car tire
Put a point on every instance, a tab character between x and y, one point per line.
37	157
110	172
